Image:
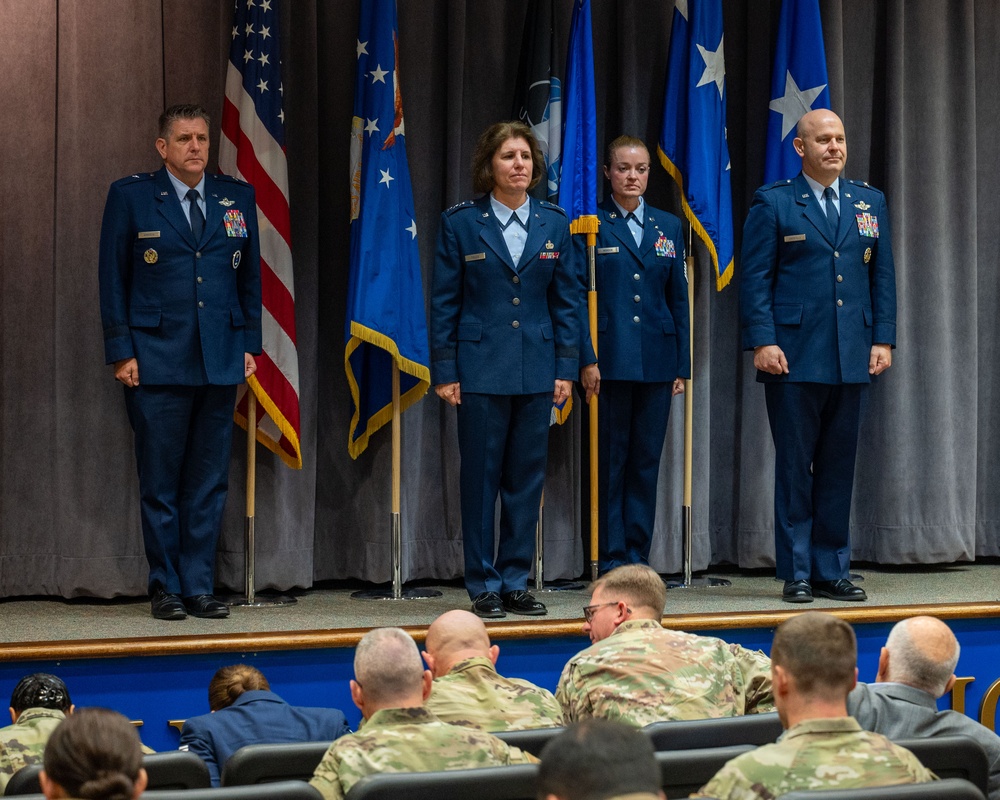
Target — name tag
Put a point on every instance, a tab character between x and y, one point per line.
798	237
605	251
475	257
149	234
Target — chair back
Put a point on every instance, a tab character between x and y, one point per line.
176	769
688	734
683	772
952	757
267	763
531	740
282	790
515	782
947	789
24	781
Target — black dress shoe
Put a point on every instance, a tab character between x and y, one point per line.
206	606
797	592
522	602
166	606
488	606
839	590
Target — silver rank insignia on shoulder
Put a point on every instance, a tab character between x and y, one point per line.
236	258
549	245
862	205
150	256
225	201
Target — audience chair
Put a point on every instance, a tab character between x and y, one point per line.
685	771
267	763
174	769
281	790
947	789
515	782
952	757
688	734
24	781
530	741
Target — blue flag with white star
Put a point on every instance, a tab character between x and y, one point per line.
386	323
798	84
692	145
578	189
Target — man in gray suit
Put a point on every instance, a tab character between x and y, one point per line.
915	668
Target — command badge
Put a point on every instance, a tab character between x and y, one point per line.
549	245
236	258
868	254
150	256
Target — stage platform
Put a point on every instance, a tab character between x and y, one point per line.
113	653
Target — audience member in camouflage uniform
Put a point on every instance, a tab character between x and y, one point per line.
37	705
467	689
814	659
638	672
399	735
599	760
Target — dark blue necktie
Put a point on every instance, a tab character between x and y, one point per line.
197	218
832	215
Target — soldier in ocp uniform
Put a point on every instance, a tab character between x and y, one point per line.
814	661
399	734
38	704
638	672
467	688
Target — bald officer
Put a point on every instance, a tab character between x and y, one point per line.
818	307
180	305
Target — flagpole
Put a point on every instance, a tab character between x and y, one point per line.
588	224
250	597
687	526
397	592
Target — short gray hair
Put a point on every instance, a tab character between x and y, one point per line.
387	664
923	653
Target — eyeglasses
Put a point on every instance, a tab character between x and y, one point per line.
589	611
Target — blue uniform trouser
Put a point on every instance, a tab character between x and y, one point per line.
815	432
631	422
503	441
183	439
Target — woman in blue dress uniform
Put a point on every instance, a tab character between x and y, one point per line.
504	342
643	344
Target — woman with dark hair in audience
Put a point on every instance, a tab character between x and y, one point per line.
38	704
95	754
246	711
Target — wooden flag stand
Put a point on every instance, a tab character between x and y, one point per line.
396	592
251	598
688	582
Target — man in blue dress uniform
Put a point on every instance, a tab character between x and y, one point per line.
181	310
818	308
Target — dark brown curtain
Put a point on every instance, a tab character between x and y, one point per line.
84	81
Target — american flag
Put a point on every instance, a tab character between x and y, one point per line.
253	148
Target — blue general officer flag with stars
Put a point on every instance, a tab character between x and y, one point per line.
386	322
578	188
692	145
798	84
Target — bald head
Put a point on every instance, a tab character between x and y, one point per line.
453	637
821	142
923	653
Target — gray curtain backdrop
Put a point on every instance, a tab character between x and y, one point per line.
83	83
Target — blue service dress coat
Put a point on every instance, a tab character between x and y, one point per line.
257	717
643	343
187	311
506	333
824	299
